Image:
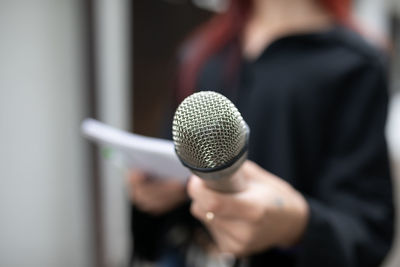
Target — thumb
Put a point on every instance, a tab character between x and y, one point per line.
136	177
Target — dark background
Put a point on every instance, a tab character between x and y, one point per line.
159	29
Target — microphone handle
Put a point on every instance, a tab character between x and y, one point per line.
227	180
228	184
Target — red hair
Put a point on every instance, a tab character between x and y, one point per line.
222	29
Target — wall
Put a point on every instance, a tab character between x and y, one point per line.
44	204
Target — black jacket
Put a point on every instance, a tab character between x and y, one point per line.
316	107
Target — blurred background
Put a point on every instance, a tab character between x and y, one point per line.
61	204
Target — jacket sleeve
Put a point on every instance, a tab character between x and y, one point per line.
351	206
152	235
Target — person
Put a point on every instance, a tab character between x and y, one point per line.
314	94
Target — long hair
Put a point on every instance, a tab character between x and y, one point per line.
222	29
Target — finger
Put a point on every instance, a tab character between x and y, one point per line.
145	201
161	190
237	206
200	213
225	243
207	198
233	235
253	172
136	177
228	205
222	230
226	235
227	226
151	207
264	186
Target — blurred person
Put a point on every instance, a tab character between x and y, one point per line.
318	187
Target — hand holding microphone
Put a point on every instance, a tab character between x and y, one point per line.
245	208
267	213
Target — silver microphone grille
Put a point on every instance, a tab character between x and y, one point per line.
208	130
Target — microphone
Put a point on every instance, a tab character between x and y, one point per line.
211	139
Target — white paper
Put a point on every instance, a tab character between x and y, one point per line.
152	155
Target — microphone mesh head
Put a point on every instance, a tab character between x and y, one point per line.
208	130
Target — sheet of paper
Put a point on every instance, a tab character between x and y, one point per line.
152	155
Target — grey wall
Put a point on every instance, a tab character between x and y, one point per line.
44	208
